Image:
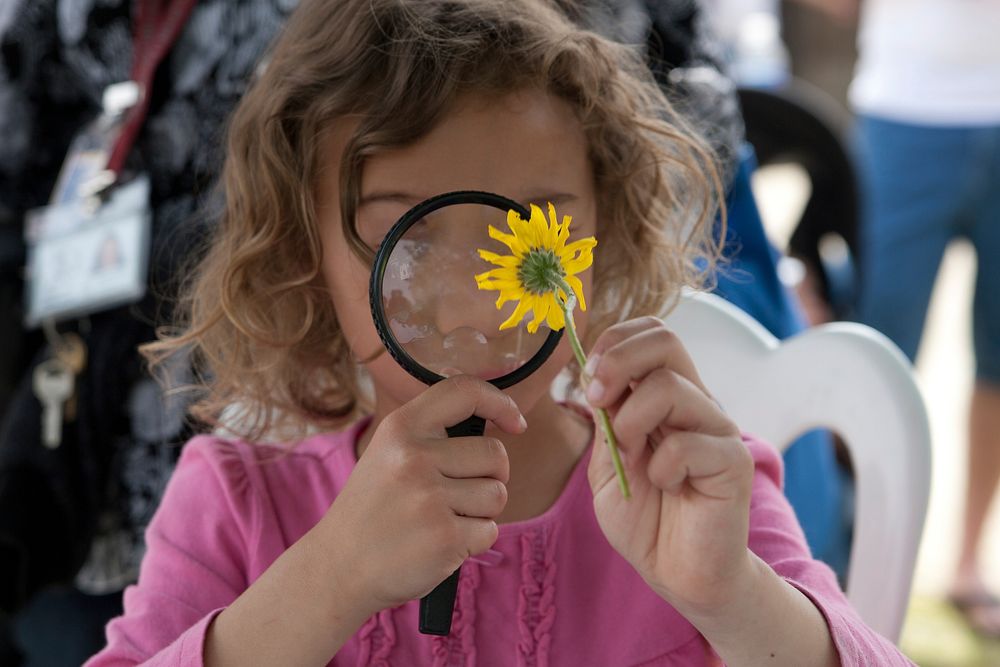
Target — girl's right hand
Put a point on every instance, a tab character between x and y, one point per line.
418	503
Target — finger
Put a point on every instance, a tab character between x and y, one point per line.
619	362
666	399
616	333
483	498
471	457
454	400
478	534
715	466
601	469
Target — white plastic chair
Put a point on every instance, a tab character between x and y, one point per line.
846	377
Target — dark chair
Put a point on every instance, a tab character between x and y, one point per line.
800	124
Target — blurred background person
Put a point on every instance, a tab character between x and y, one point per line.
72	518
927	97
791	100
922	173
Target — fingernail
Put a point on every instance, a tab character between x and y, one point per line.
592	365
523	422
595	390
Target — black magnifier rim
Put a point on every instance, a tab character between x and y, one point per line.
385	249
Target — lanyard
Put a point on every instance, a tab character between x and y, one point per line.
156	26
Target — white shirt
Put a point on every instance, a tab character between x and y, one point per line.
929	61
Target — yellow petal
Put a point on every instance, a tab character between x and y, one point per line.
552	236
509	295
501	260
512	242
556	318
562	235
541	309
523	306
500	287
577	265
500	274
538	226
560	231
577	287
541	227
499	277
522	229
579	246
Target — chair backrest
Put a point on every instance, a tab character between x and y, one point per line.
850	379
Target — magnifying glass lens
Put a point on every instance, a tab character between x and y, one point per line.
433	306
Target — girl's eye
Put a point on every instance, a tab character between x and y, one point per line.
376	235
372	232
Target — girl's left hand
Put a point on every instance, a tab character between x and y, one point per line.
685	528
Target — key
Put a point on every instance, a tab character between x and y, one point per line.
53	384
72	351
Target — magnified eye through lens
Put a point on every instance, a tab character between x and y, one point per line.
433	306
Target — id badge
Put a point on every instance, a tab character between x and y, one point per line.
84	259
84	171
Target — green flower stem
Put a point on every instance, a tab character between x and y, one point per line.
609	435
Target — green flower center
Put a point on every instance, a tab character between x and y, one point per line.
540	271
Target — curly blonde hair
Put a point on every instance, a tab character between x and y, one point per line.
255	311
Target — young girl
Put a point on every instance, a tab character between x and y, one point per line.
317	551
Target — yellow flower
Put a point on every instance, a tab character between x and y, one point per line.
539	275
540	269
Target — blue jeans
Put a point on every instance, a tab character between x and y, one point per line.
922	187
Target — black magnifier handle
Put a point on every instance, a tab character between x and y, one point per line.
437	607
474	425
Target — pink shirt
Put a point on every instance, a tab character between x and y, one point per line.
551	591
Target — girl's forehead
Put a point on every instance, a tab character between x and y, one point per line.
527	145
492	143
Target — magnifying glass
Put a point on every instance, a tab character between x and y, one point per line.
436	323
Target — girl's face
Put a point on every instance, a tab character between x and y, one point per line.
527	146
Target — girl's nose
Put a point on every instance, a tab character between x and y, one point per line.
458	236
462	305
